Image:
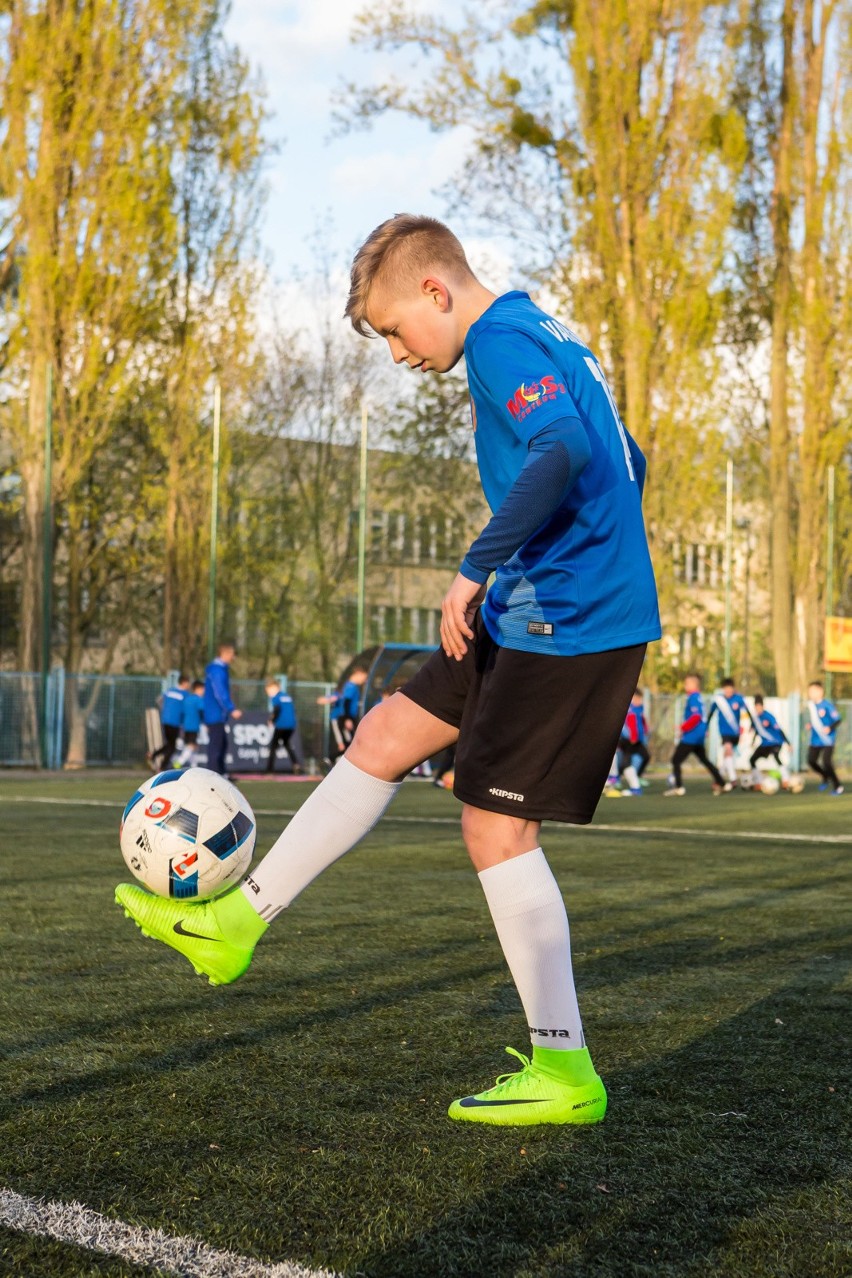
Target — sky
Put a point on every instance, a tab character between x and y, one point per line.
303	50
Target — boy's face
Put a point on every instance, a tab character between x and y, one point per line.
728	690
272	688
814	692
419	325
691	684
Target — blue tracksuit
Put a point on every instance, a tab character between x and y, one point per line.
171	712
217	692
282	709
348	703
193	707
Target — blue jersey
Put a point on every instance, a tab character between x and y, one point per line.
217	692
348	703
824	719
730	709
583	581
172	707
193	706
769	729
284	712
694	727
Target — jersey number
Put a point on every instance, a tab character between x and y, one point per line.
597	372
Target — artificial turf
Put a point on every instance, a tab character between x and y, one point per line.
301	1113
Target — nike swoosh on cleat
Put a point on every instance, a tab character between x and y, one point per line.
470	1102
182	931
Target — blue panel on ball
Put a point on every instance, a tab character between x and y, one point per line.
230	838
173	775
182	889
184	823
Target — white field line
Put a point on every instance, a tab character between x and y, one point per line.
182	1257
762	836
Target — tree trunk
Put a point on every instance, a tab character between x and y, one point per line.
779	432
816	408
32	532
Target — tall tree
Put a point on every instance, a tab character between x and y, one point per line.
614	123
208	335
101	103
821	440
793	235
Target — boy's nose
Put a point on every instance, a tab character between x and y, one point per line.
397	350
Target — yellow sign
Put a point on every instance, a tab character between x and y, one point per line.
838	645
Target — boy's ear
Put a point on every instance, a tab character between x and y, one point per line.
437	292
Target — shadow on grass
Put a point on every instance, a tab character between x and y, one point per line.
701	1149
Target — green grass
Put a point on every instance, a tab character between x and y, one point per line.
300	1114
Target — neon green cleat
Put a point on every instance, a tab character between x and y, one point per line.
546	1090
218	937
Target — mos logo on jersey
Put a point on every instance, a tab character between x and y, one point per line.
531	395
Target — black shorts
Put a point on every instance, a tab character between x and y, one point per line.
190	738
733	741
537	733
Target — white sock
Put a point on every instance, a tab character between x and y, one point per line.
730	768
342	809
529	915
186	753
631	777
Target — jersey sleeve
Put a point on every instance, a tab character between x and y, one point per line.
522	381
558	456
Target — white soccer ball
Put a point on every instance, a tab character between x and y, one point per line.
770	784
188	835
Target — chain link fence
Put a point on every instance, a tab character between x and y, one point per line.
99	720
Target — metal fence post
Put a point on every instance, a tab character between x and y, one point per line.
794	703
110	719
59	723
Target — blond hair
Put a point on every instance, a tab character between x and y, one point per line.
396	252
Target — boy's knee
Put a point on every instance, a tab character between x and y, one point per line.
491	837
376	747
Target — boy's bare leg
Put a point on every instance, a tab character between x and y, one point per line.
395	736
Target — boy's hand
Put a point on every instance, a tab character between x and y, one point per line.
458	610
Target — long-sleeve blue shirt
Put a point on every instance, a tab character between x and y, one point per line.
171	711
217	692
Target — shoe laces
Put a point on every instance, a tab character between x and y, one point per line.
508	1080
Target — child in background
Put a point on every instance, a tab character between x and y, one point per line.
632	750
345	712
171	714
693	730
282	720
193	709
771	736
731	706
824	717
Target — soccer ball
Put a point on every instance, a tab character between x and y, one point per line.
770	784
187	835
